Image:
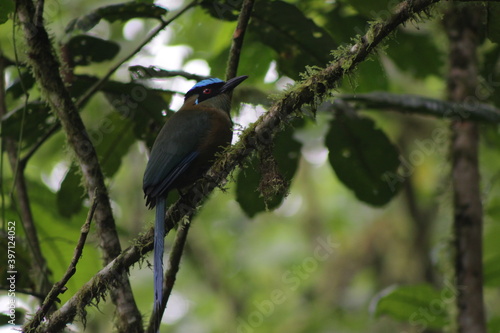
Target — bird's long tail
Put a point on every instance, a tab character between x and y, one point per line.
158	258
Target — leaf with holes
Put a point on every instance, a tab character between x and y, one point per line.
119	12
363	158
69	198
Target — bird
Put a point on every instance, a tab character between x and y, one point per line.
183	151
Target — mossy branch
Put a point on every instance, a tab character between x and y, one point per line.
315	87
47	71
415	104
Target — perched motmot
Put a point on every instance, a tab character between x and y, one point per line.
183	150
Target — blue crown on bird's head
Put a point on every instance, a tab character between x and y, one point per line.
205	89
212	87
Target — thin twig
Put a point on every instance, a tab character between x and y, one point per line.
152	72
315	87
238	36
59	287
46	69
41	272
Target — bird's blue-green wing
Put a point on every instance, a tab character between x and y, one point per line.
174	150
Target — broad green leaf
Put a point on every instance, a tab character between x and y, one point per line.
247	195
36	120
427	61
296	39
490	75
369	75
286	152
6	8
493	22
112	139
419	305
343	25
374	9
494	324
227	10
363	158
140	104
143	105
18	87
84	50
119	12
287	149
492	272
69	198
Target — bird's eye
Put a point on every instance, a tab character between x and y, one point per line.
207	91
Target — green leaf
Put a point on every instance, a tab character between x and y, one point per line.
493	22
69	198
287	149
296	39
36	121
369	76
363	157
112	139
134	101
140	104
227	10
286	152
419	305
427	61
20	84
492	272
374	8
6	8
247	195
84	50
120	12
343	24
494	324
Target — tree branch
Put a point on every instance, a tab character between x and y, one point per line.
151	72
46	69
59	287
463	27
238	37
309	91
415	104
40	273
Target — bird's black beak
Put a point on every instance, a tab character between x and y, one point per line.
232	83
